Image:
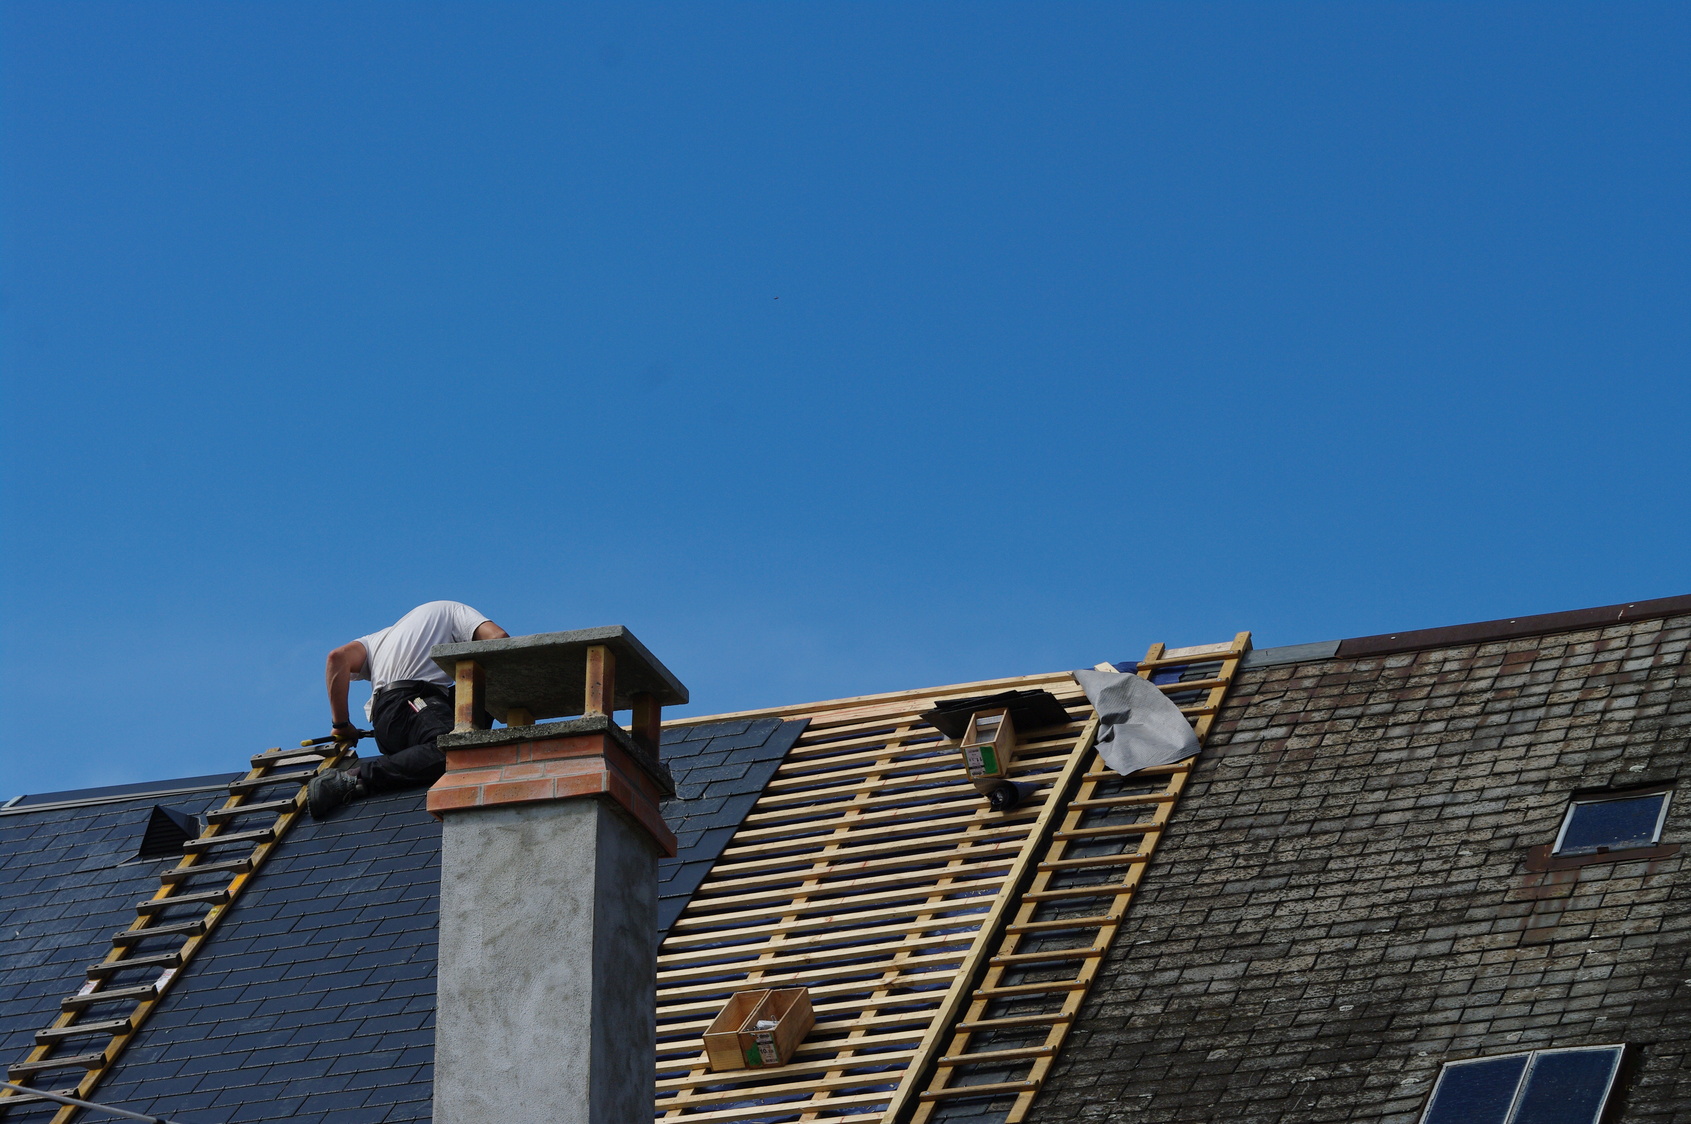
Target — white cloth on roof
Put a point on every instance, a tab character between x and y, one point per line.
1138	725
401	650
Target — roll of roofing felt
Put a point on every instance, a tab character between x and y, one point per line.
1138	725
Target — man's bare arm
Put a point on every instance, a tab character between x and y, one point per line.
487	630
343	663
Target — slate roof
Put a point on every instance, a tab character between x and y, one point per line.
1346	897
314	1000
68	887
1342	902
719	771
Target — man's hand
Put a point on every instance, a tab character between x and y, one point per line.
343	739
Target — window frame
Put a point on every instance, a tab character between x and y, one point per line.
1608	798
1525	1079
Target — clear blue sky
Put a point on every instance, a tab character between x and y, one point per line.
832	348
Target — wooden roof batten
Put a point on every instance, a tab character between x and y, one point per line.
871	872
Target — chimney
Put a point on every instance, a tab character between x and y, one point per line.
548	883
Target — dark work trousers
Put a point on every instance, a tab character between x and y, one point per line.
408	716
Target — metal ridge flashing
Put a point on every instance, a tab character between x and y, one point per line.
1479	632
114	794
1511	628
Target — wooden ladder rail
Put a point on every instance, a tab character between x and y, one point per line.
273	768
1065	993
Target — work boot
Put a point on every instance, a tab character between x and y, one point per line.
330	789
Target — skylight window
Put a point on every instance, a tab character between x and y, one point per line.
1612	823
1540	1087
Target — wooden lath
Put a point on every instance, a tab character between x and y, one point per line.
1046	958
871	872
867	871
148	958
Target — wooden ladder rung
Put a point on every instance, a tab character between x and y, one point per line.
177	929
980	1090
9	1099
1126	858
1184	765
152	960
1221	654
204	897
1102	890
221	815
988	1056
1008	1021
141	993
206	842
1096	921
231	866
1108	832
252	784
291	756
1041	988
1123	801
1056	956
1193	685
108	1027
69	1061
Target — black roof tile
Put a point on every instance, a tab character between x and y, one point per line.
314	999
713	796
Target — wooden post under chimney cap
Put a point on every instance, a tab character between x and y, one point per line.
601	680
648	722
469	697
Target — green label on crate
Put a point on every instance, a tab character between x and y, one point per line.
762	1051
989	761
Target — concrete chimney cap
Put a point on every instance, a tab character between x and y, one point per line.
546	673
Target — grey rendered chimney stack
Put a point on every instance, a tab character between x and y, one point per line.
548	899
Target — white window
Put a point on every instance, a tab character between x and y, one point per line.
1540	1087
1612	823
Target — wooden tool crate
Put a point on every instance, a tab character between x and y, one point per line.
758	1029
989	745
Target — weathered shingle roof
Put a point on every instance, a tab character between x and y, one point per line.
1344	899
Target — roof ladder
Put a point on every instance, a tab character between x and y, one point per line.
148	957
1062	924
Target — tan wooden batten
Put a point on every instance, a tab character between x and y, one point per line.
873	873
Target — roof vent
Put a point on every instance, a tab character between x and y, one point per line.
167	830
1029	710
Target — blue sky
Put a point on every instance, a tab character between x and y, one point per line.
832	348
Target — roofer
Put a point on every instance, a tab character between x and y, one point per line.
410	702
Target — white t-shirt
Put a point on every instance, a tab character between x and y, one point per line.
401	650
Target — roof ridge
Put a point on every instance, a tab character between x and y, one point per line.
887	698
1511	628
